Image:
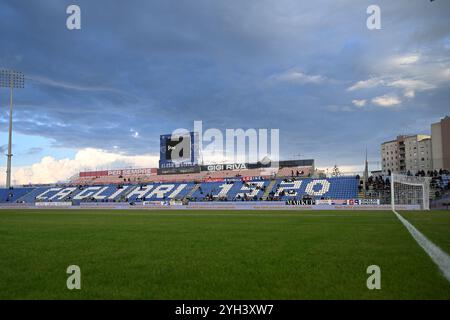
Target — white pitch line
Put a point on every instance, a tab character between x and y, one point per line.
439	257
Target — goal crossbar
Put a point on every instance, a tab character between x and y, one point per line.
410	190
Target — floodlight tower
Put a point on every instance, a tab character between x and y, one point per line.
10	79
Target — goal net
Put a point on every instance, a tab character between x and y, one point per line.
410	190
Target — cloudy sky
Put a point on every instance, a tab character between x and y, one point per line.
101	96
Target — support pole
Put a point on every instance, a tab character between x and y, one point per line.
9	155
392	192
10	79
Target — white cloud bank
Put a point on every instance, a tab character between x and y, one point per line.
366	84
298	77
386	101
407	75
359	103
402	83
405	59
51	170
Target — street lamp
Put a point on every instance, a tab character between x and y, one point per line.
10	79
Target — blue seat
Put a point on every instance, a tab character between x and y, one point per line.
329	188
12	195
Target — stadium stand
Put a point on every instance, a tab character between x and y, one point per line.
12	195
295	172
289	183
229	189
330	188
189	177
379	187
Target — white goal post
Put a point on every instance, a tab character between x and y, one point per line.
410	190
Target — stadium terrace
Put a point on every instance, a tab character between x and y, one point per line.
181	182
299	185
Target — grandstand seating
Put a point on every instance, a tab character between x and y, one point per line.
237	190
330	188
233	189
137	179
159	191
445	180
292	172
201	176
223	185
11	195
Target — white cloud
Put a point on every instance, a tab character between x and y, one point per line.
359	103
411	84
296	76
406	59
366	84
334	108
346	109
403	83
134	133
409	94
386	101
409	87
446	73
71	86
50	170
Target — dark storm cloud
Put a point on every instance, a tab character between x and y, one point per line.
153	66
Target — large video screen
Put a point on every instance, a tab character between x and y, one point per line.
178	150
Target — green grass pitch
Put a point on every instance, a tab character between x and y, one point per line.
218	254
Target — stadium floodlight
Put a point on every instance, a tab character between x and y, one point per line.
410	190
10	79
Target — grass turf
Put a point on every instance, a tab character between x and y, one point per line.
217	255
434	224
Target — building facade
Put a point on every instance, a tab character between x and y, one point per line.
440	137
405	154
